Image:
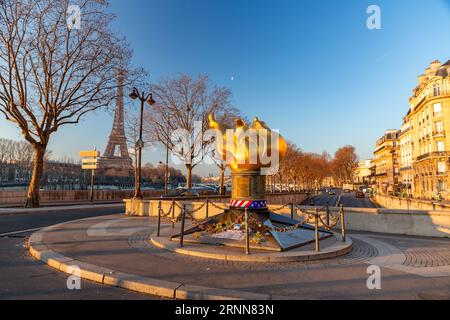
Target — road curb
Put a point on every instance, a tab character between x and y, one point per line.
146	285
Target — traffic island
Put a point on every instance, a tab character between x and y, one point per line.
116	251
331	247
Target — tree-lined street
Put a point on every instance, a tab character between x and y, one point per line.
347	199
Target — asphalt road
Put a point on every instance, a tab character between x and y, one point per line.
349	200
24	278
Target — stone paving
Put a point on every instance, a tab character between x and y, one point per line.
412	267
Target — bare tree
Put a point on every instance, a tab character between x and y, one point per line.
23	154
52	75
183	103
6	150
344	164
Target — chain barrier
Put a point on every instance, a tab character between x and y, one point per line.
165	215
179	206
294	227
281	208
310	217
336	220
217	206
315	218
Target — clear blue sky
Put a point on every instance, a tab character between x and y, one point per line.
309	68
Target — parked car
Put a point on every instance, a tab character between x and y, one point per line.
347	191
360	194
332	193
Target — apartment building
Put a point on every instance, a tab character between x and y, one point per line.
429	120
405	158
385	162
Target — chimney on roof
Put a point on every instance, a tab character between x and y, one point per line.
435	65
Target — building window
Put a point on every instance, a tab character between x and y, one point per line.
439	127
436	90
442	186
440	146
437	109
442	167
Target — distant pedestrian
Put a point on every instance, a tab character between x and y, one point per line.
312	202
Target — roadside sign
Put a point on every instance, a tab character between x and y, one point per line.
89	162
90	154
89	167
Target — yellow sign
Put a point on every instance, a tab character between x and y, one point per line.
90	159
90	154
89	167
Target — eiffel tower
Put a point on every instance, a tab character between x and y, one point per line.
116	161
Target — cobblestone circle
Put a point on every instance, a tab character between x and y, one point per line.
361	253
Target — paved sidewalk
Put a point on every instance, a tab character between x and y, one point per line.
412	267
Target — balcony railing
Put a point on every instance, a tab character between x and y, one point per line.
436	154
431	95
437	134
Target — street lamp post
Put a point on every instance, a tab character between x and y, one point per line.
166	171
143	97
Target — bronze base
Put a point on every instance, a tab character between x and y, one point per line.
248	186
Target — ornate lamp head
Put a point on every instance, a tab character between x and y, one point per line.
249	148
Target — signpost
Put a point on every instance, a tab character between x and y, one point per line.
89	162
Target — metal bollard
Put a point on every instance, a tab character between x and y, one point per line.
292	210
159	219
207	208
316	231
328	214
173	214
343	223
247	234
183	218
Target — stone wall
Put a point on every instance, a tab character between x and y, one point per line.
150	207
425	223
19	197
409	204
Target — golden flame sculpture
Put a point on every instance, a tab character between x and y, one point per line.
249	148
246	152
244	149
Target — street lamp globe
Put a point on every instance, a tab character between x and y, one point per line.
150	100
134	95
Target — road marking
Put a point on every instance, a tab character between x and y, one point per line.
18	232
111	228
393	258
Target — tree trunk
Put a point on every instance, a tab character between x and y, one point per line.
33	199
188	177
222	181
